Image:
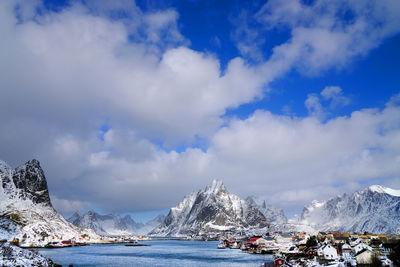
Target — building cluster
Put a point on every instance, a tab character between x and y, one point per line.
324	249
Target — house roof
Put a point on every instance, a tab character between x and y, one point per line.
364	250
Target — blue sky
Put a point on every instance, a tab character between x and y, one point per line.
131	105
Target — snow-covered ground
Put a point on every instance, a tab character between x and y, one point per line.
12	256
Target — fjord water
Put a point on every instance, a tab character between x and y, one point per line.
159	253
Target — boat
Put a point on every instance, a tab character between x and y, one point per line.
222	245
57	245
136	245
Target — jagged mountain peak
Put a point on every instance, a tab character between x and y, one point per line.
4	166
215	186
384	190
211	209
26	182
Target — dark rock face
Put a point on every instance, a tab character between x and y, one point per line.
30	179
25	182
271	213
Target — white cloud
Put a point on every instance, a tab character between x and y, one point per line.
314	106
322	37
335	94
331	95
69	206
76	59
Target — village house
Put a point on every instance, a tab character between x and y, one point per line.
346	249
359	247
261	242
365	239
327	252
364	256
355	241
283	238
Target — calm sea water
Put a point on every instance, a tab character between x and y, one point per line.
159	253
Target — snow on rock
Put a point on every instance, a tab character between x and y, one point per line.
271	213
211	209
26	211
375	209
12	255
385	190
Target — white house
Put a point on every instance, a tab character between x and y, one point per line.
262	242
346	249
354	242
327	252
364	257
361	246
283	239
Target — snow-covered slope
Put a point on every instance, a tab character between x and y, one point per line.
110	224
272	214
375	209
26	211
212	209
12	255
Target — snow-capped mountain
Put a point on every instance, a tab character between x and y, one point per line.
375	209
212	209
26	211
272	214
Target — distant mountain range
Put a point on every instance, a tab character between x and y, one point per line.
113	225
26	211
375	209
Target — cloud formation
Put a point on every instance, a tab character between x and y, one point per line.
327	34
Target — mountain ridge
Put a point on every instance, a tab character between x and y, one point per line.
375	209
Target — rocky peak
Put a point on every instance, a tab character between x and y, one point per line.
384	190
30	179
4	167
75	217
215	187
212	209
271	213
26	182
